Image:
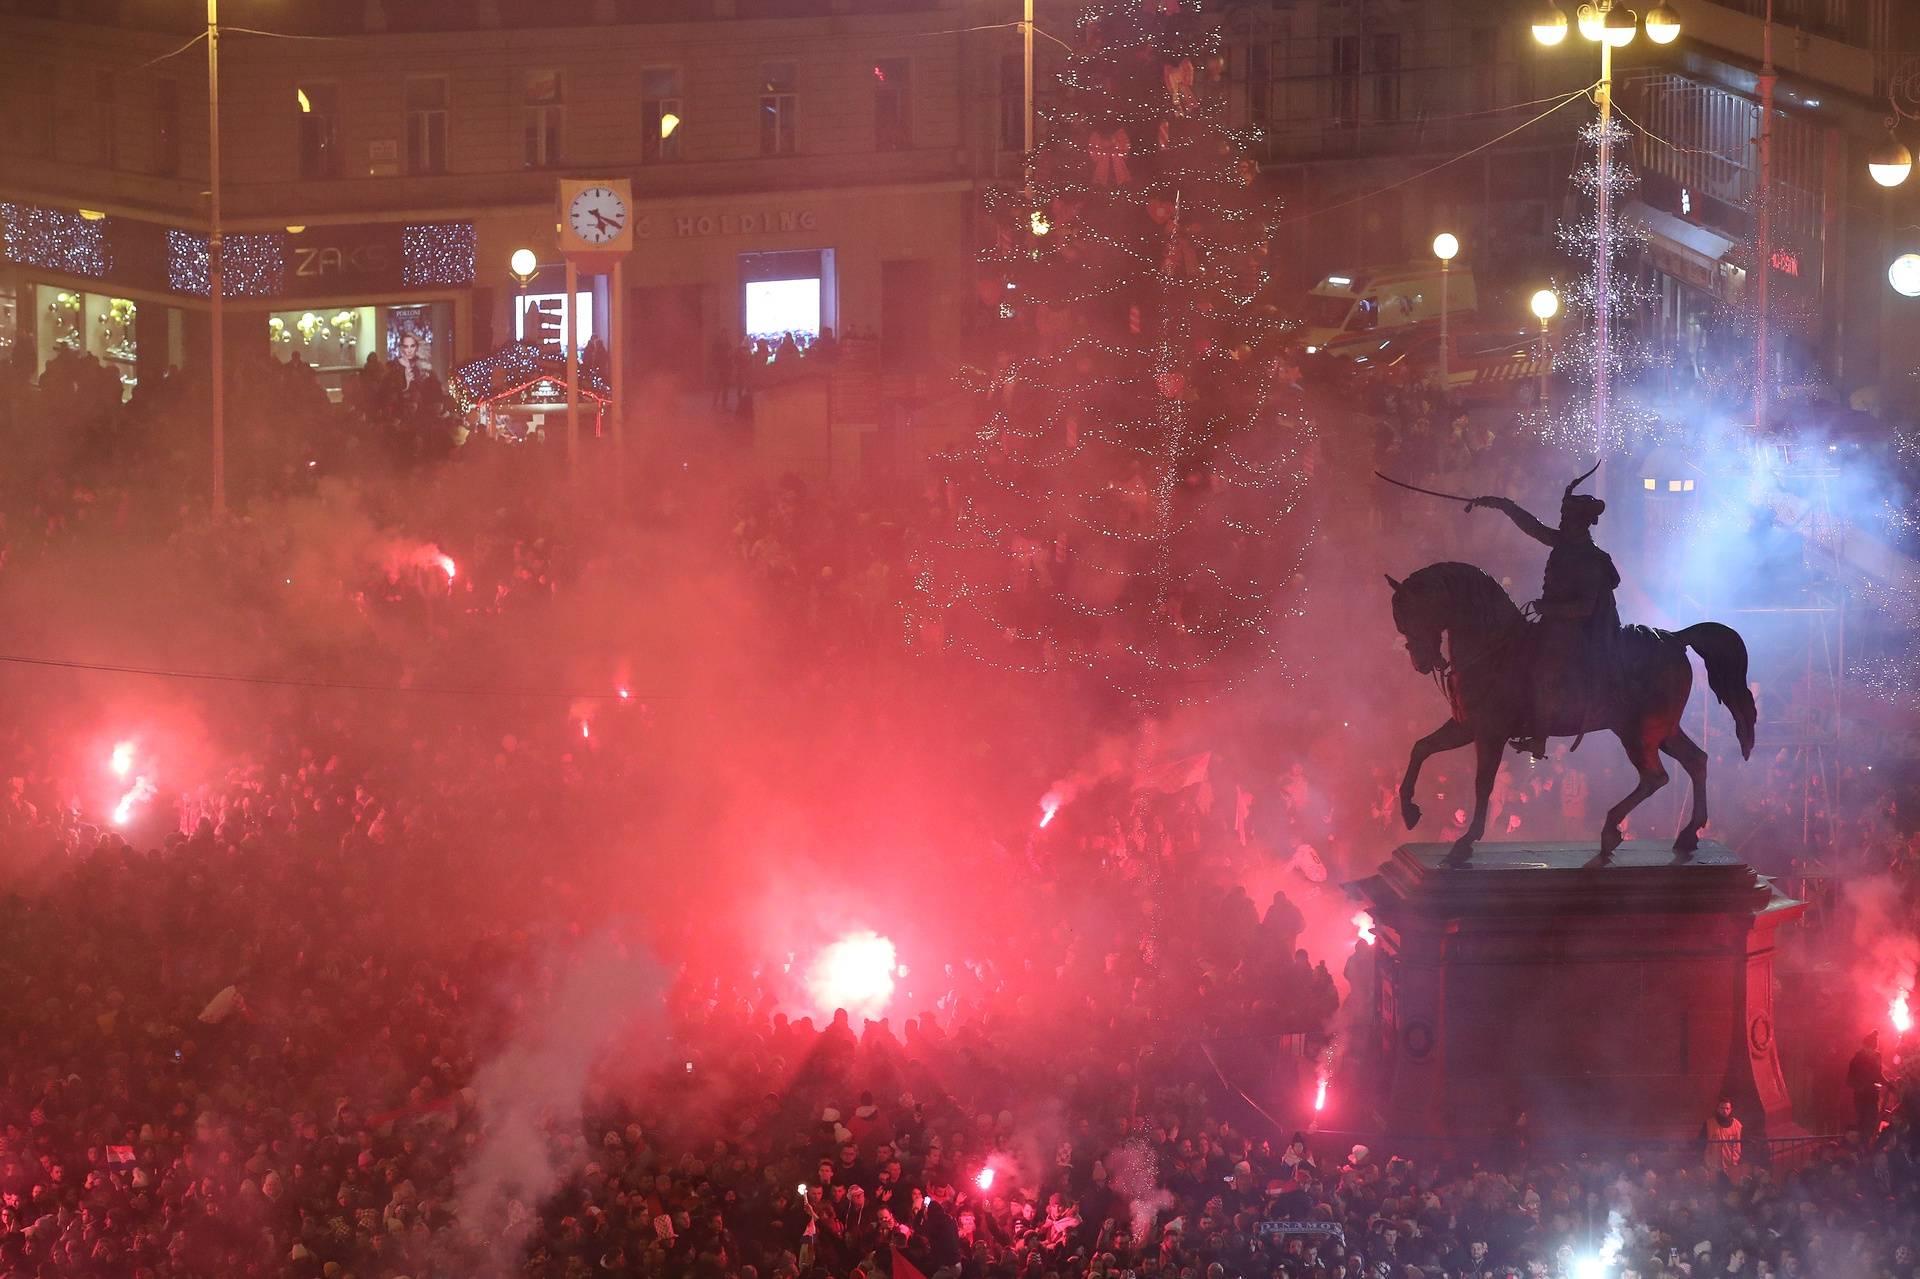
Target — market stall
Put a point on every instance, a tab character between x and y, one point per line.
515	392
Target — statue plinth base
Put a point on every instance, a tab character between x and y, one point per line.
1617	1001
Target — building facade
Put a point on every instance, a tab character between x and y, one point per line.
1831	232
795	167
1383	123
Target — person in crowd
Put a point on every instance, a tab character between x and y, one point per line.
1721	1135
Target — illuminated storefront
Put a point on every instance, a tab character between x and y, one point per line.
107	328
414	338
127	292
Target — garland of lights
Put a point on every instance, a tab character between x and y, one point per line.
1133	504
438	254
251	265
54	240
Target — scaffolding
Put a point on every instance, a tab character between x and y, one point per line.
1805	632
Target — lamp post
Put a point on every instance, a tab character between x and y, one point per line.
523	265
1545	304
1611	27
215	305
1445	246
1890	162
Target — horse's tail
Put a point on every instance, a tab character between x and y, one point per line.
1725	654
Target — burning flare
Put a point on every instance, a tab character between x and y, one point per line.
143	790
1320	1095
854	973
1049	805
121	762
1363	927
1901	1014
985	1180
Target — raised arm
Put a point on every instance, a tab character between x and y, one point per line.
1533	528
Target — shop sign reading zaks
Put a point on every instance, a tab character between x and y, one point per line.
337	261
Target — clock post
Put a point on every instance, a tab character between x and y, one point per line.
596	234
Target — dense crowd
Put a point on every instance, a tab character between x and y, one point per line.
241	1053
263	1038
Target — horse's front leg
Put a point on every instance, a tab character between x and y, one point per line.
1487	753
1449	736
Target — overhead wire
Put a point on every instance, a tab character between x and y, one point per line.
1563	101
163	57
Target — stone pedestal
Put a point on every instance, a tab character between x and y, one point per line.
1617	1002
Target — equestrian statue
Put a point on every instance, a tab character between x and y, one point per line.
1572	671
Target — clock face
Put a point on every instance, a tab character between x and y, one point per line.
597	215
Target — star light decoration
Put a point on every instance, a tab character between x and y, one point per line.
252	265
438	253
1571	425
1133	505
55	240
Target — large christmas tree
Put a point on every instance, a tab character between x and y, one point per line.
1132	507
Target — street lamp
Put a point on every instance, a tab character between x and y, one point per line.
216	306
1611	27
1549	25
522	266
1445	246
1545	304
1903	273
1890	162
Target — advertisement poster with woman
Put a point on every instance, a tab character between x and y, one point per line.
410	342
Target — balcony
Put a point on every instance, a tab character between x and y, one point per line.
1834	50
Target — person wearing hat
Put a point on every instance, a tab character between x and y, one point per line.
1578	619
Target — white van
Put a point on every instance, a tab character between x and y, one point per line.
1342	306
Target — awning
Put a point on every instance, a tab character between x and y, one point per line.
1681	248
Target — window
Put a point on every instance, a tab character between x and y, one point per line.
1386	76
892	105
779	104
426	124
1259	85
1484	58
786	293
542	318
166	128
105	119
661	110
1013	103
318	106
1344	59
27	108
543	112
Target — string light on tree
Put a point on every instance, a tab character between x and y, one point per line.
1132	507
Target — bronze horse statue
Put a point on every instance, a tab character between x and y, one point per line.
1482	667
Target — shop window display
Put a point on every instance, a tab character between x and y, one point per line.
106	328
338	341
